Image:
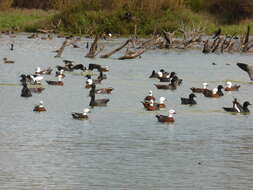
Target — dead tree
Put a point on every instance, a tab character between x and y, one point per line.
93	48
115	50
132	55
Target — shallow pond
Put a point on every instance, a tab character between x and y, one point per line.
122	146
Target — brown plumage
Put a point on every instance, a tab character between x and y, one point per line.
37	108
56	83
233	88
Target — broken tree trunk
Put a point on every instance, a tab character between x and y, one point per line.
60	51
115	50
132	55
93	48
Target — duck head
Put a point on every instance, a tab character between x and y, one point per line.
246	104
205	85
172	74
171	113
229	84
162	100
191	96
150	93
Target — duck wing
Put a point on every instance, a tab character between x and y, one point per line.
247	68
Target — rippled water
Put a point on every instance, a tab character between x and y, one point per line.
122	146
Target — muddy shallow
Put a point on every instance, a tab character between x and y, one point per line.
122	146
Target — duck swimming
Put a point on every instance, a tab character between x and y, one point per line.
165	118
189	100
171	86
200	90
149	97
230	87
6	61
97	102
56	83
238	108
40	107
151	105
81	116
215	93
60	74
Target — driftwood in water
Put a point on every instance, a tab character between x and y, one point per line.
115	50
206	48
66	43
215	47
245	41
132	55
93	48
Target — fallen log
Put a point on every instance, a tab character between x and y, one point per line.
115	50
132	55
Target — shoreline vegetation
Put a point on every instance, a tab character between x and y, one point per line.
125	18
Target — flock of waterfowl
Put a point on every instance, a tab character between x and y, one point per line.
32	83
173	82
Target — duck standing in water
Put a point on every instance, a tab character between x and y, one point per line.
40	107
189	101
238	108
25	92
165	118
81	116
230	87
200	90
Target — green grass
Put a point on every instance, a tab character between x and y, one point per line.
23	20
81	21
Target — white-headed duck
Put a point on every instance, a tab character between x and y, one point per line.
165	118
200	90
231	87
81	116
149	97
40	107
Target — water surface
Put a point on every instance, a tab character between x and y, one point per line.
122	146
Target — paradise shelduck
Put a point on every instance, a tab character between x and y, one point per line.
171	86
40	107
150	106
6	61
104	90
25	92
165	118
247	68
230	87
149	97
56	83
189	100
97	102
47	71
200	90
215	93
81	116
161	102
60	74
238	108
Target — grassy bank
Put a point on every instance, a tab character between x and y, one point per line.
78	20
24	19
